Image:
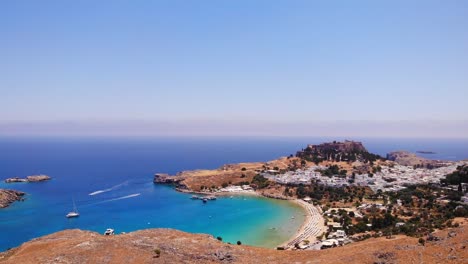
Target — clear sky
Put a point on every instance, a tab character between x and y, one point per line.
235	62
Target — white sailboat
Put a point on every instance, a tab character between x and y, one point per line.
73	213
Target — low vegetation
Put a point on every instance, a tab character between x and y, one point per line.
260	182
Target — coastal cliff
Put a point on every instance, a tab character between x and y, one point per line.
173	246
9	196
163	178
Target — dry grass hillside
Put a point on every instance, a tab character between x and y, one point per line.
233	173
172	246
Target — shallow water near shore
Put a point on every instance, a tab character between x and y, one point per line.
111	183
249	219
119	172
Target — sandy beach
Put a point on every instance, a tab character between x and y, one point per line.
312	227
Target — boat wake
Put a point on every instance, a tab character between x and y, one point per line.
119	198
109	189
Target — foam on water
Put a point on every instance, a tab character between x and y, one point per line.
119	198
109	189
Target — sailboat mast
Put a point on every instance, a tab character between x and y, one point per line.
74	206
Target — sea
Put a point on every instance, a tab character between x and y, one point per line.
111	182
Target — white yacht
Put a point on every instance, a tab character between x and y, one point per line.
73	213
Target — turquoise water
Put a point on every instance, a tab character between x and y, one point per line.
120	173
243	218
123	170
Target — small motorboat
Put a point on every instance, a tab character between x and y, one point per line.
109	232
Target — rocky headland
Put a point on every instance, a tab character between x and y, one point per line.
32	178
7	197
406	158
229	174
172	246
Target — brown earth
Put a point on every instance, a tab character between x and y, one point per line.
76	246
9	196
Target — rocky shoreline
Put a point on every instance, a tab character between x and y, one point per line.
8	197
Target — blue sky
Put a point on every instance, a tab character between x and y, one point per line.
237	62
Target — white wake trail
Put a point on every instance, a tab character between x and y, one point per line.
100	191
120	198
109	189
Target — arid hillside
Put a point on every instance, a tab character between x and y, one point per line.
207	180
172	246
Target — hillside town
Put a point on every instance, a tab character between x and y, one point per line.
388	178
348	194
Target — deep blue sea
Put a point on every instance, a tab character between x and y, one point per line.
121	171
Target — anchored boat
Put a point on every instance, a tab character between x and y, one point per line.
73	213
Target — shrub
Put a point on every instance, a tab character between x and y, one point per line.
260	181
239	243
157	253
421	241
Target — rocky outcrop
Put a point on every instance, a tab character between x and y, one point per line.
9	196
163	178
32	178
346	146
38	178
406	158
15	179
348	151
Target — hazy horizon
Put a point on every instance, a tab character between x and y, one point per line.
246	68
343	129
